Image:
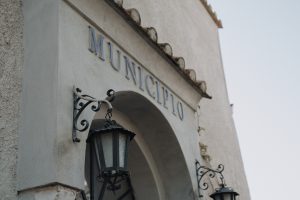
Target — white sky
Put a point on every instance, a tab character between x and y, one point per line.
261	53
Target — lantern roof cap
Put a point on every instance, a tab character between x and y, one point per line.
224	190
102	126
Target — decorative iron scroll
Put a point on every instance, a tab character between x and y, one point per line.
201	171
81	102
114	183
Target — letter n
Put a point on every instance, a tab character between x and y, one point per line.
130	67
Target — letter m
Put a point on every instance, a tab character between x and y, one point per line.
96	43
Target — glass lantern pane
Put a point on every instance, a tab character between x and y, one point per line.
97	148
217	197
122	149
107	144
227	196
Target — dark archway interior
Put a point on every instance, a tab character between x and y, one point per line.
143	182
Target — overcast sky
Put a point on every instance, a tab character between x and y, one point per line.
261	53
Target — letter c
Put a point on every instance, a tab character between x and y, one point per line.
147	79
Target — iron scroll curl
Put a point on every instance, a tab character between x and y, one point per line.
83	101
202	171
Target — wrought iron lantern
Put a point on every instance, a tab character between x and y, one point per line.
222	193
109	141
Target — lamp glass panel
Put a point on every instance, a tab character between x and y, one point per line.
107	144
217	197
227	196
97	149
122	149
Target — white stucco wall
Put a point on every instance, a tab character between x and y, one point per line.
11	64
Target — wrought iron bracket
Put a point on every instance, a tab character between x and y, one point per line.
82	102
202	171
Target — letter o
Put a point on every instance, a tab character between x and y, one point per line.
180	110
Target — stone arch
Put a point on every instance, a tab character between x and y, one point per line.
156	162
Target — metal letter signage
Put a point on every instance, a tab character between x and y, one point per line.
108	52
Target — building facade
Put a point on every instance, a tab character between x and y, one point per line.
162	59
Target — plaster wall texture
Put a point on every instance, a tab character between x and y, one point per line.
39	95
11	64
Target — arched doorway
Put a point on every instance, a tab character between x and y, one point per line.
156	162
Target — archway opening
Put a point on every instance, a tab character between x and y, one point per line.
156	162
